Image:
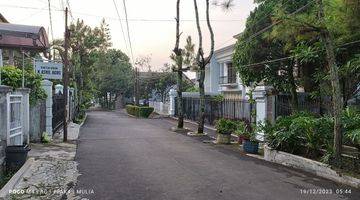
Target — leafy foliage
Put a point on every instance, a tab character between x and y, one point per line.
12	76
247	130
225	126
114	73
297	37
138	111
303	131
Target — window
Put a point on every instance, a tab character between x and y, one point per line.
227	73
231	73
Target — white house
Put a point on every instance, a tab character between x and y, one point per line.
221	76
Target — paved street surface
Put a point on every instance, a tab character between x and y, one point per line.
126	158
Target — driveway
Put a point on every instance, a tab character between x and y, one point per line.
121	157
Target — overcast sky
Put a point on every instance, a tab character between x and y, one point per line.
151	22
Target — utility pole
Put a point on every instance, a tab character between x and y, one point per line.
136	86
66	74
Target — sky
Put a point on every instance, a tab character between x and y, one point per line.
151	23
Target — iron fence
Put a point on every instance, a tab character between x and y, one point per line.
319	106
58	111
236	109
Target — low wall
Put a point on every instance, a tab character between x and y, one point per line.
37	121
308	165
160	107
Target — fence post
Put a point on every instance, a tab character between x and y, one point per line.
172	95
47	86
262	106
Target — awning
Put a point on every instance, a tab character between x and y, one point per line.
15	36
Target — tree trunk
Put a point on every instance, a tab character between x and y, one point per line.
180	107
202	101
335	83
202	62
293	92
179	62
336	92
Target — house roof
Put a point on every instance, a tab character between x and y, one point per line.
3	19
16	36
229	47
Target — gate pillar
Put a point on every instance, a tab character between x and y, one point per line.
264	106
172	96
47	86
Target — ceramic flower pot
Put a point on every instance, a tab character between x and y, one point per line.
251	146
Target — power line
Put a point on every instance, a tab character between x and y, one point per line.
291	57
128	31
33	14
276	23
113	18
272	25
121	26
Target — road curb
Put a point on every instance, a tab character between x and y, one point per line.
4	192
82	123
208	127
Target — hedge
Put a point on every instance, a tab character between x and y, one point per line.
138	111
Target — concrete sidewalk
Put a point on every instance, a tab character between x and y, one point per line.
54	172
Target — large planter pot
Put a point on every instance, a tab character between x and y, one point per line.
223	138
15	157
241	138
250	146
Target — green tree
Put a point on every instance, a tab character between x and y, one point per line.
114	75
307	38
85	42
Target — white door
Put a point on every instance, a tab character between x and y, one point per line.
15	110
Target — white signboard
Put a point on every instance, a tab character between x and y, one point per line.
49	69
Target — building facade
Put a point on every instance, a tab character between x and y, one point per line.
221	76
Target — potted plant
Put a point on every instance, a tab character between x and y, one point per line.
241	131
225	128
250	143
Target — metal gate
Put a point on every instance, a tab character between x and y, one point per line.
15	113
58	111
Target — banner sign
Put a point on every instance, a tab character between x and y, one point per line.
49	69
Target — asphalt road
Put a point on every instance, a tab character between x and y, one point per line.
125	158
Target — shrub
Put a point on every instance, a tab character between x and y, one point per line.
351	125
225	126
132	110
12	76
138	111
45	138
145	111
247	130
241	128
300	132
